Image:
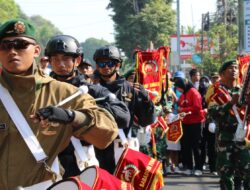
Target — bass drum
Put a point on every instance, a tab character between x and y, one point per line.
72	183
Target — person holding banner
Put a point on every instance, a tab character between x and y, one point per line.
64	61
233	157
33	129
108	62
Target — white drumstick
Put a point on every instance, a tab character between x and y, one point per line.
111	96
154	93
81	90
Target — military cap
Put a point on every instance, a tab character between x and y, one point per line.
17	27
214	74
226	64
85	62
129	73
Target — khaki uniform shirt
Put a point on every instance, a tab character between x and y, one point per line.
18	167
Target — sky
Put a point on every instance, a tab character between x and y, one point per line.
84	19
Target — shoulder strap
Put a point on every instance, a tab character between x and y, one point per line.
22	125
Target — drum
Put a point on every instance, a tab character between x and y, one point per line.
72	183
98	178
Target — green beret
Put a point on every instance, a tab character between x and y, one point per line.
17	27
129	72
226	64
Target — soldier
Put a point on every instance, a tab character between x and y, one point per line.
28	148
64	53
233	157
108	62
85	67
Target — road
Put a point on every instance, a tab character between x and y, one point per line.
180	182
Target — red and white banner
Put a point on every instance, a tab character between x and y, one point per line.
142	171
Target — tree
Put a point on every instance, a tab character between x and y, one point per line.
139	22
8	8
90	45
44	30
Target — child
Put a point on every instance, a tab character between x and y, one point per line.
173	149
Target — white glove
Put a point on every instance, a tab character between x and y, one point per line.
211	127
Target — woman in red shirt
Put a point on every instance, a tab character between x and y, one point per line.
190	101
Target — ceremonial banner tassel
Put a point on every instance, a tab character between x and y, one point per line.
142	171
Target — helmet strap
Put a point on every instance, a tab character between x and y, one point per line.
66	76
110	75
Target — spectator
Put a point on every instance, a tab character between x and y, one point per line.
190	101
194	77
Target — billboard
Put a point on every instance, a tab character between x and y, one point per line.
191	45
246	10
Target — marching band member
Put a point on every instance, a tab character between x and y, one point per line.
108	62
233	157
64	53
33	131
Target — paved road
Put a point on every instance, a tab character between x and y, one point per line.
180	182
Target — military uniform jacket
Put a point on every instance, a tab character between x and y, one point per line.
139	103
18	167
222	115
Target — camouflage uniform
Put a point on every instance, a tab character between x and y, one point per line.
232	156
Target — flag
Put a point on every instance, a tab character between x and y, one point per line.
142	171
244	62
175	131
151	69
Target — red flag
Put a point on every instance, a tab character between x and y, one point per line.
142	171
163	123
175	131
150	69
244	61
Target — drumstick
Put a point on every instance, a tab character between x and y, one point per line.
81	90
154	93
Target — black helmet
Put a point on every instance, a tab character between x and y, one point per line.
108	51
63	44
85	62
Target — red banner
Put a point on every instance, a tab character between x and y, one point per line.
142	171
151	70
244	61
248	134
175	131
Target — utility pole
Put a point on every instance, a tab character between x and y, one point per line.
241	27
178	34
202	34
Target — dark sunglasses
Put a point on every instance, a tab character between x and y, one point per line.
16	44
104	64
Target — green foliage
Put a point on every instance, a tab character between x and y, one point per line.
90	45
8	9
44	30
139	22
224	32
225	38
